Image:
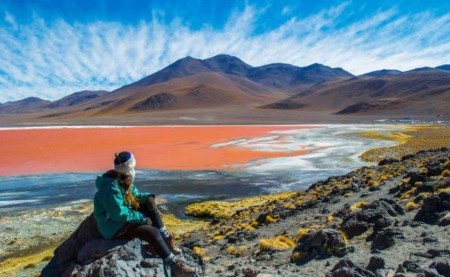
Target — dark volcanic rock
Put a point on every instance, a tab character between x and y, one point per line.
434	209
442	267
384	238
125	260
346	268
377	214
85	254
321	243
375	262
388	161
65	259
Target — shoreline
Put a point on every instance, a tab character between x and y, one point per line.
21	261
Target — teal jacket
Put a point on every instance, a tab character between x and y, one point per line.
110	210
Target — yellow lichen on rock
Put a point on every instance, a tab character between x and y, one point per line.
277	243
357	206
411	205
236	251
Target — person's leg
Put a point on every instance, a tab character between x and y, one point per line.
149	209
151	235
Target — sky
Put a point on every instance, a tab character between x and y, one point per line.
50	49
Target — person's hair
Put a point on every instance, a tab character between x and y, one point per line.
129	197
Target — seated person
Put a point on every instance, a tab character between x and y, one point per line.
122	212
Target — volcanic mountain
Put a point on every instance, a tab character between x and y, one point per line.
416	92
225	87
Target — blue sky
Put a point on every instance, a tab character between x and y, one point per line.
53	48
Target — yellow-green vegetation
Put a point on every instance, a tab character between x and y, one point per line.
201	253
373	183
179	226
411	205
357	206
329	219
12	266
410	140
446	173
236	251
278	243
225	209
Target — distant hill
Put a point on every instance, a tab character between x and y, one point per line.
444	67
76	98
423	91
381	73
29	104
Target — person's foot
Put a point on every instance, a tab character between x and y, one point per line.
181	268
172	246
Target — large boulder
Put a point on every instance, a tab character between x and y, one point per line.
377	214
124	260
434	209
64	260
86	254
321	243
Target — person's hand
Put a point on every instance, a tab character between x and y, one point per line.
148	221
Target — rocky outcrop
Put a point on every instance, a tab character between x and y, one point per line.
435	210
346	268
377	214
64	261
86	254
322	243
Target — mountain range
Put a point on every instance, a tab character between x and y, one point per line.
224	84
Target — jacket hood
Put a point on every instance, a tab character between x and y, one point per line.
102	182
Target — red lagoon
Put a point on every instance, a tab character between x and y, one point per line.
88	149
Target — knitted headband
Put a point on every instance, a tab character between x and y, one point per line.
124	163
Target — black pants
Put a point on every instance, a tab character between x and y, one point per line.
148	233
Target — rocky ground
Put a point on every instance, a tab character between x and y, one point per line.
387	220
392	219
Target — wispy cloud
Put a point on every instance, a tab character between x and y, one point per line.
51	60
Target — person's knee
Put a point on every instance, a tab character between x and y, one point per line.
149	230
151	204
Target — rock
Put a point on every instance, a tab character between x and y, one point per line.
250	272
321	243
375	262
442	267
65	256
434	171
388	161
346	268
445	220
125	260
97	248
384	238
86	254
377	214
434	208
407	157
415	177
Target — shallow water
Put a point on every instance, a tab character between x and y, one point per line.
336	151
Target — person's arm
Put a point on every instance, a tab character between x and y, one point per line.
113	202
140	196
